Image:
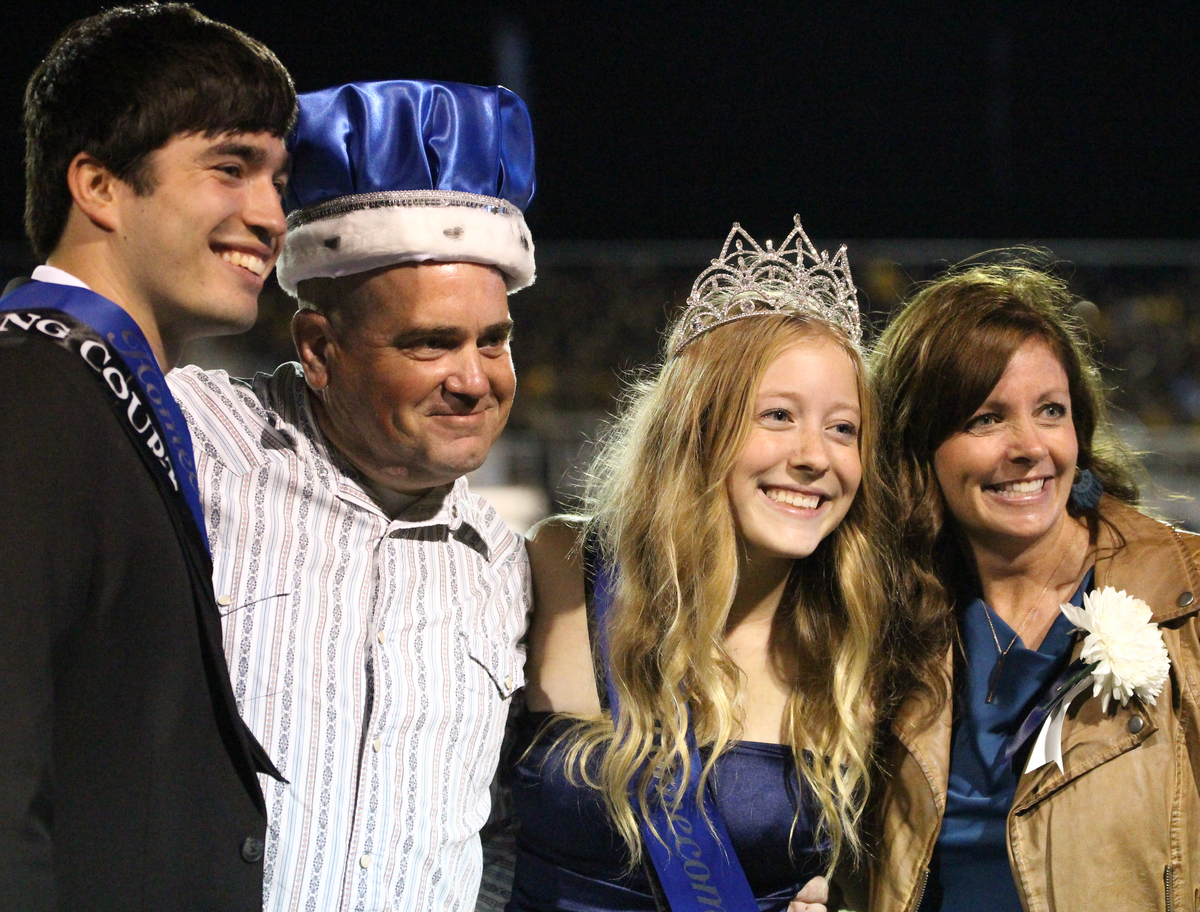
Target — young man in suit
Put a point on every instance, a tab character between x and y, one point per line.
154	164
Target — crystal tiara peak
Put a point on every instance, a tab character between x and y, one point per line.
752	282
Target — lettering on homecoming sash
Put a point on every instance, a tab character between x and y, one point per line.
696	870
146	370
100	359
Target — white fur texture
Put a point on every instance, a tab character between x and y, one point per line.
370	238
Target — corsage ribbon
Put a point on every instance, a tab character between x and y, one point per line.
1123	656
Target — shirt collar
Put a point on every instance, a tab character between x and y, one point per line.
451	506
55	276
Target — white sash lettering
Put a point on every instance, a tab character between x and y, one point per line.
98	357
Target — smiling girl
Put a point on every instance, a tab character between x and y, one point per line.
724	595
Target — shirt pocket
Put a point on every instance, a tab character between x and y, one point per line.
504	663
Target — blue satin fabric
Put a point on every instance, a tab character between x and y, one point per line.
970	870
569	857
411	135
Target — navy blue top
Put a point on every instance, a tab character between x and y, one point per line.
970	869
569	856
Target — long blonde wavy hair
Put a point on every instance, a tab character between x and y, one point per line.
661	510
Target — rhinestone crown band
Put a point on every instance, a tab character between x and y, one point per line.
755	282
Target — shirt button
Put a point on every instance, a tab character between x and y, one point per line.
1135	724
379	636
252	850
454	512
1185	599
222	600
364	861
376	744
508	682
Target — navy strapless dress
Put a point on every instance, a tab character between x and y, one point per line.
569	857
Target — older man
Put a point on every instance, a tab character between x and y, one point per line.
154	164
373	604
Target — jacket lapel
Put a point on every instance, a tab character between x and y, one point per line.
917	799
1165	578
927	737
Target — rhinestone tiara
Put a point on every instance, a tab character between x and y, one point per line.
794	279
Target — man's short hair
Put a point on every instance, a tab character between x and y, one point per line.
122	83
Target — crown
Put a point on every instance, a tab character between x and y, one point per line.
794	279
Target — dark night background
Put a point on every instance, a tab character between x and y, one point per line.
873	120
918	133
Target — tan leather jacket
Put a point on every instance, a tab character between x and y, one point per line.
1119	828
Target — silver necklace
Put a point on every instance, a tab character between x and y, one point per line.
1004	650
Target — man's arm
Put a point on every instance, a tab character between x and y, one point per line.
499	834
228	425
499	865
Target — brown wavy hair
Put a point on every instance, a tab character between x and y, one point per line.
661	507
935	364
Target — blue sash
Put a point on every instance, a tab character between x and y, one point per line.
126	357
703	873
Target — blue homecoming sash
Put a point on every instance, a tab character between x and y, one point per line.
126	357
703	873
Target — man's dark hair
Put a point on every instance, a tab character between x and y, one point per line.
122	83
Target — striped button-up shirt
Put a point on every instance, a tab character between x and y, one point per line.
374	658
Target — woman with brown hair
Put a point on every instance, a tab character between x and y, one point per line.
1046	756
727	586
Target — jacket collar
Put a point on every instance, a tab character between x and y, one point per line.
1140	555
1147	559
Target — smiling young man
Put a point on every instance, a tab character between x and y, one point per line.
154	167
375	605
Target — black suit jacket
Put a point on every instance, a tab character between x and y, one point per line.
127	779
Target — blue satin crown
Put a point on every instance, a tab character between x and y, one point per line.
406	170
411	135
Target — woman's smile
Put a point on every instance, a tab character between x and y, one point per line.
1007	474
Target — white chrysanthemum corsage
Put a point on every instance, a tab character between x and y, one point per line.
1125	645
